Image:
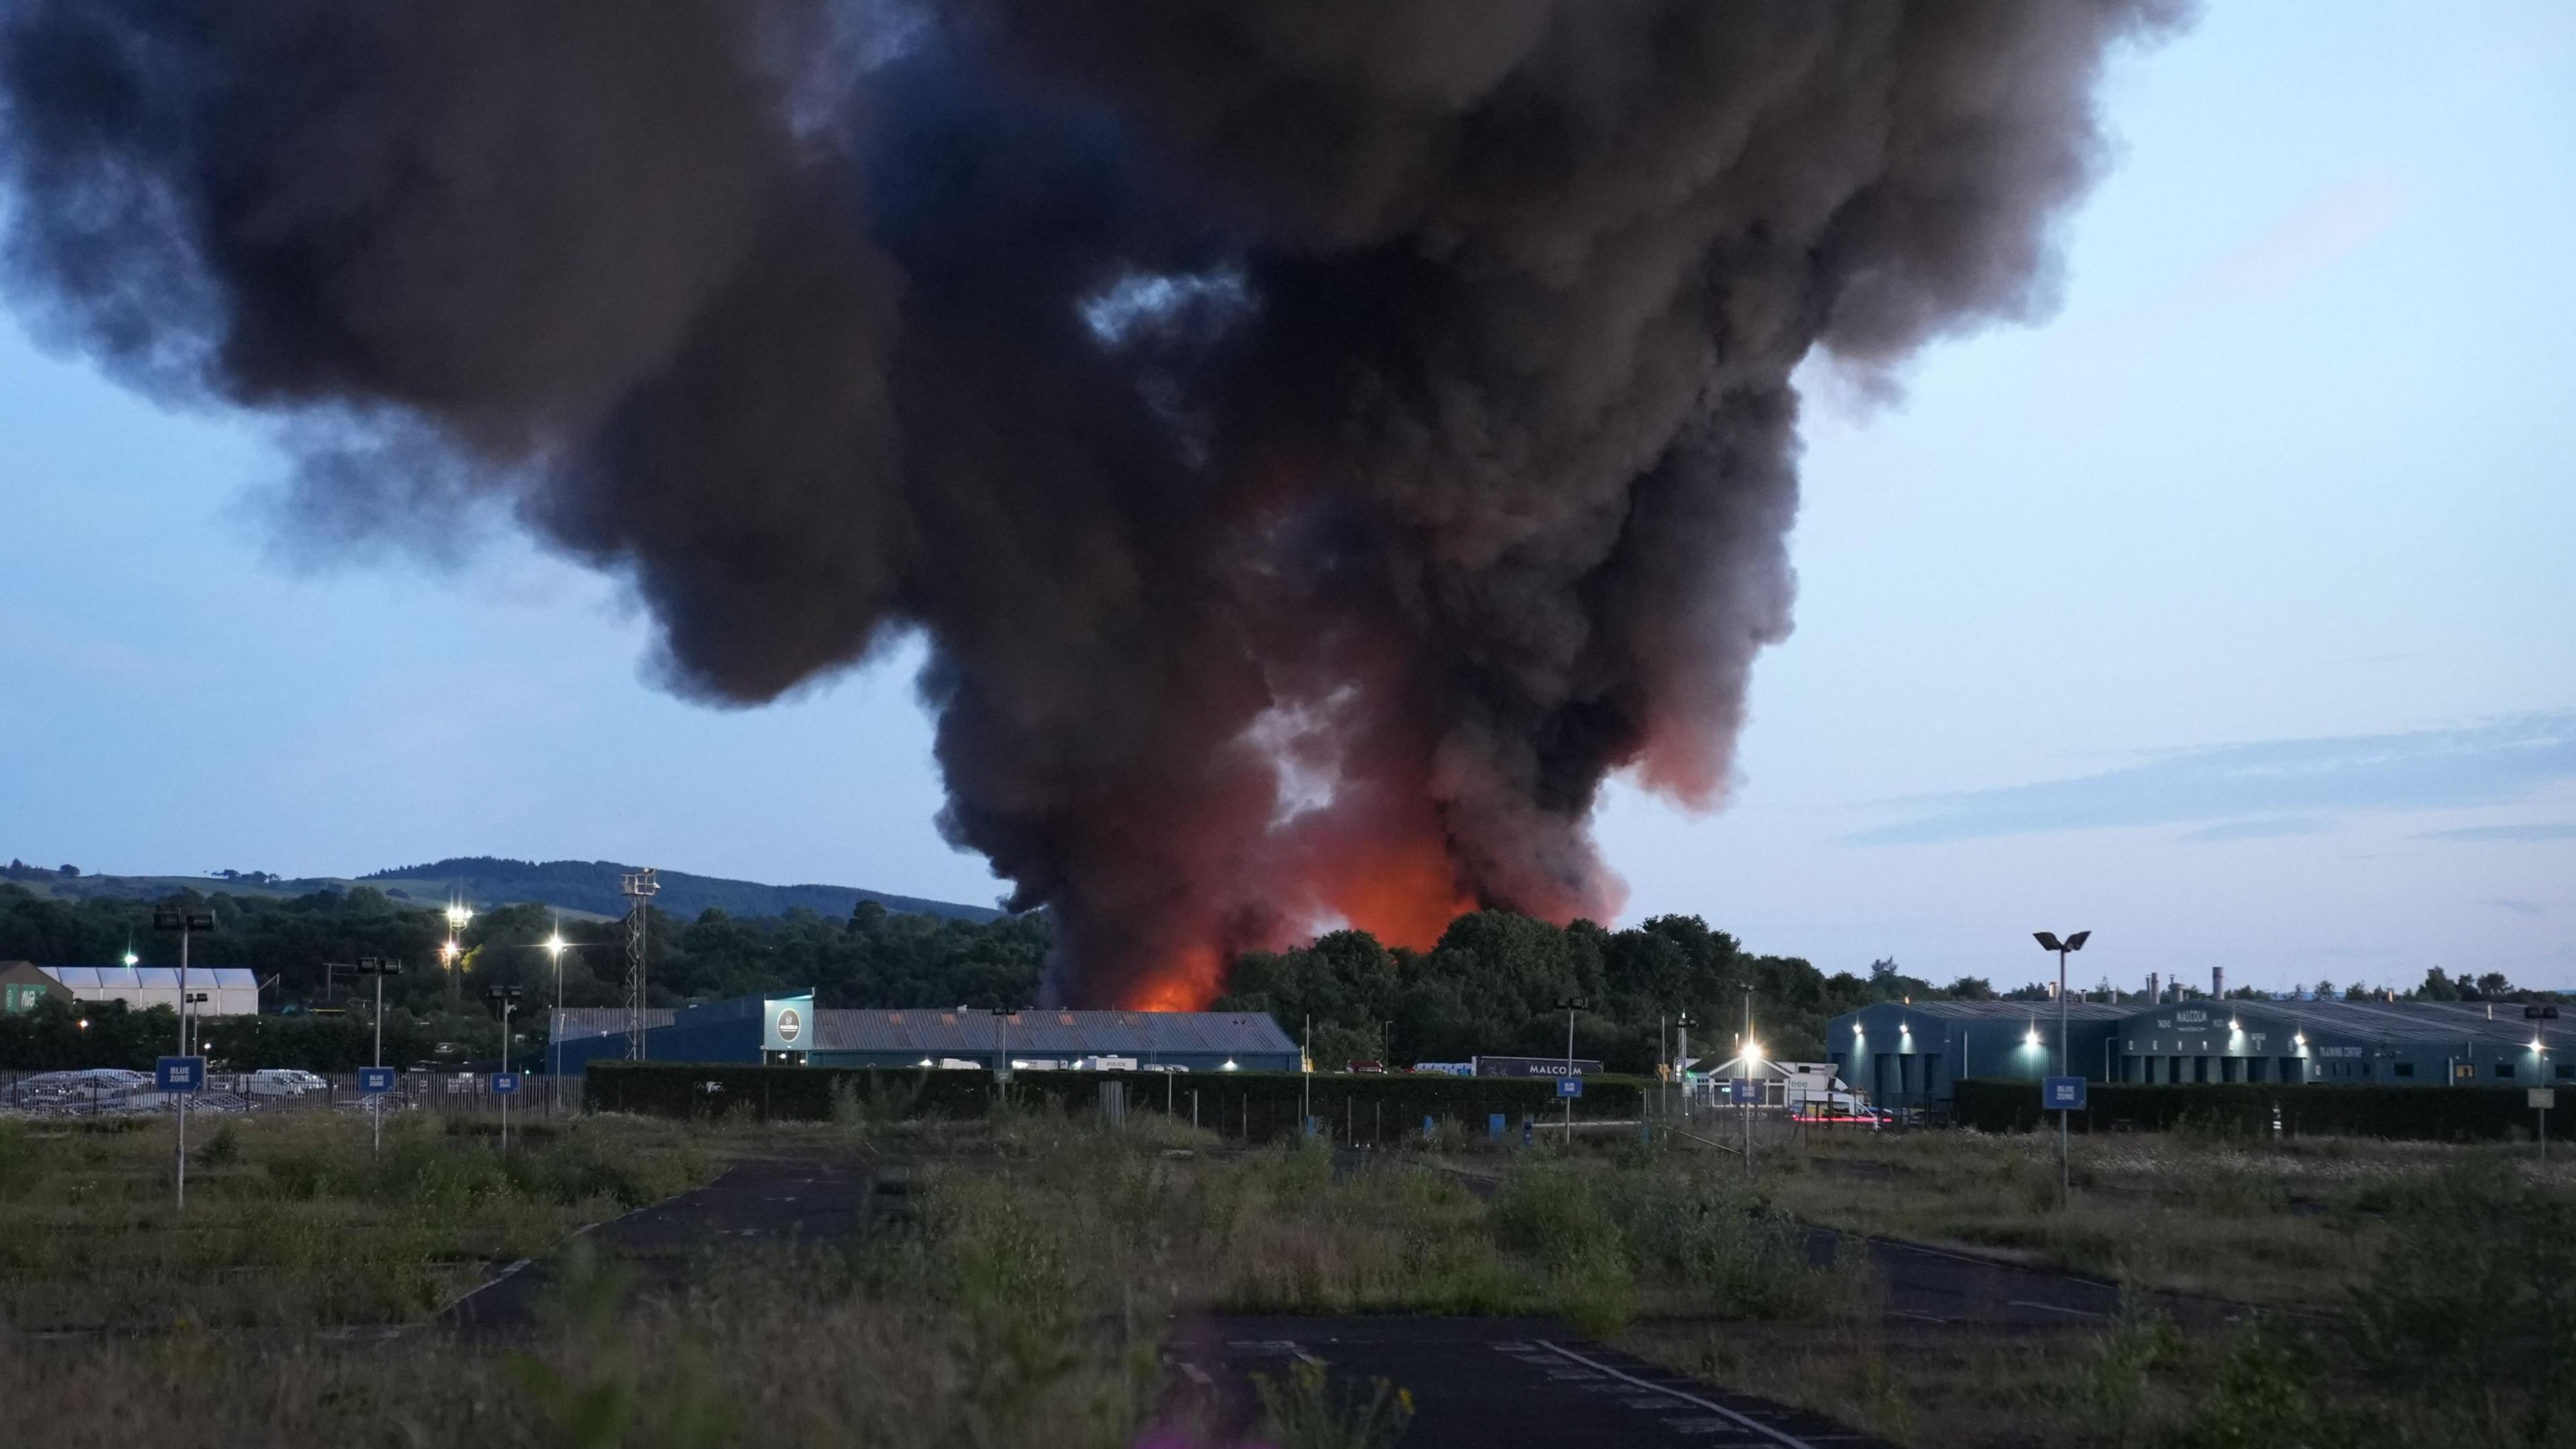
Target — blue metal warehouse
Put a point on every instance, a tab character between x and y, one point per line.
2418	1043
1911	1055
789	1030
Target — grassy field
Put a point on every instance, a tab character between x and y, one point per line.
2288	1225
1023	1299
2401	1293
292	1221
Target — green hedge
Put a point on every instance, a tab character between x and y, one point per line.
1254	1105
2412	1113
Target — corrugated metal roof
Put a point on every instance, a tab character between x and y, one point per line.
152	978
1049	1033
2436	1021
575	1022
2009	1010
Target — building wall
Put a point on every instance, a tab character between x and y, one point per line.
2218	1041
1907	1056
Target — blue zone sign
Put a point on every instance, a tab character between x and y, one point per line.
179	1074
2062	1094
504	1083
1745	1089
372	1080
1569	1086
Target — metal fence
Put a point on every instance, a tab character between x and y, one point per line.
55	1094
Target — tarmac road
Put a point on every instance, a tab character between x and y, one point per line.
1494	1383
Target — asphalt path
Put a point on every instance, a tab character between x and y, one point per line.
755	1201
1491	1382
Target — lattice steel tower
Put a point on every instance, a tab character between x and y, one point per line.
638	887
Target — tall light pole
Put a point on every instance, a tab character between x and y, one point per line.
506	998
1682	1059
452	950
2048	942
555	945
379	968
1569	1005
187	921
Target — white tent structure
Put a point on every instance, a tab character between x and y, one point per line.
230	990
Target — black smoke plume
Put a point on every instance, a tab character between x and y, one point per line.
1320	439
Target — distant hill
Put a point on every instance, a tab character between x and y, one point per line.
591	886
583	887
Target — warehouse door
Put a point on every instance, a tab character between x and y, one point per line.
2290	1070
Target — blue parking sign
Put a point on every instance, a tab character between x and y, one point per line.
1569	1086
504	1083
372	1080
2062	1094
179	1074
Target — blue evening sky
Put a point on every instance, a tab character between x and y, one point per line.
2230	613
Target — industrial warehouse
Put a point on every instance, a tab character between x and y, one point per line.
789	1030
1912	1055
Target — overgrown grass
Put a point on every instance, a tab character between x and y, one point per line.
2291	1224
293	1221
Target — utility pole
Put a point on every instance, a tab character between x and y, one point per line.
2048	942
187	921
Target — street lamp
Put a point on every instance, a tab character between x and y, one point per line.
2048	942
1569	1005
379	968
555	945
506	998
187	921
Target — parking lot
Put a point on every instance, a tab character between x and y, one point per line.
115	1092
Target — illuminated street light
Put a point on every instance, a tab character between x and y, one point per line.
2048	942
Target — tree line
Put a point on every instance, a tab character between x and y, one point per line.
1491	986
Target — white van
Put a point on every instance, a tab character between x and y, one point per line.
281	1082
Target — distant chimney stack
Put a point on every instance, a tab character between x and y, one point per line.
2155	984
2218	982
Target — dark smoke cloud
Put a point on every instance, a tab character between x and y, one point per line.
1321	441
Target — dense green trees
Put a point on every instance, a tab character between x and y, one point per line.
1492	984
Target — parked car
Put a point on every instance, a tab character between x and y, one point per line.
281	1082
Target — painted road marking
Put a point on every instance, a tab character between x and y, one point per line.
1723	1412
2053	1308
1288	1346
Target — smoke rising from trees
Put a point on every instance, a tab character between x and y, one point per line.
1320	442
